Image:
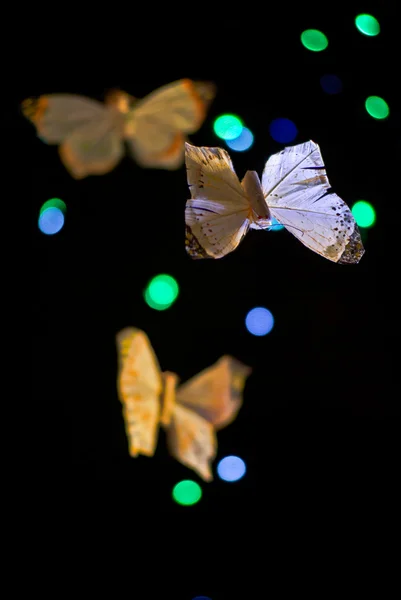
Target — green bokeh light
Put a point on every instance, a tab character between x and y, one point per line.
161	292
153	304
367	24
228	127
187	492
364	213
314	40
377	107
54	203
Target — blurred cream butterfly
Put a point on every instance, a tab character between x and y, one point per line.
293	191
190	413
91	134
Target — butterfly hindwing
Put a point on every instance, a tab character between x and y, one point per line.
192	441
94	149
217	215
296	186
157	147
139	385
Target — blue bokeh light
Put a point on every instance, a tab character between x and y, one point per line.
243	142
331	84
259	321
231	468
51	220
283	130
275	226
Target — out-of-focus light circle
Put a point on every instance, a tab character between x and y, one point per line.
228	127
153	304
275	226
231	468
243	142
161	292
54	203
331	84
51	220
364	213
259	321
377	107
367	24
187	492
283	130
314	40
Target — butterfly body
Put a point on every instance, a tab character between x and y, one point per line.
260	218
120	100
169	399
294	190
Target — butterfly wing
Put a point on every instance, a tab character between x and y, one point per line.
295	187
217	215
89	133
94	149
139	385
192	441
216	393
56	116
157	124
208	401
158	148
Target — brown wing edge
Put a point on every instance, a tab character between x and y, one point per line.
192	245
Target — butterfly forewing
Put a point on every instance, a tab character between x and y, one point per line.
157	124
56	116
139	386
295	186
217	214
216	392
180	105
88	132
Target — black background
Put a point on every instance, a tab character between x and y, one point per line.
325	386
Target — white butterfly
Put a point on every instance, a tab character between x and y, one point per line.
91	134
190	413
293	191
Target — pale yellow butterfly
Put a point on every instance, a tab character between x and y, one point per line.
293	191
91	134
191	413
